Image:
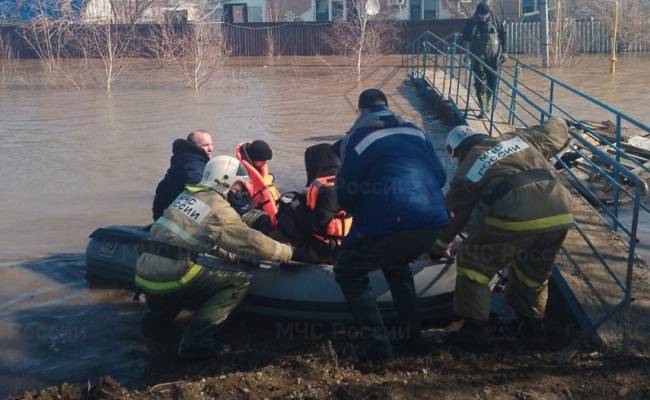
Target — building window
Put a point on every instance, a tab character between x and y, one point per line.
423	9
528	6
338	10
322	10
235	13
430	9
332	10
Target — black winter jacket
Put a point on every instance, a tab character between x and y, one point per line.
186	167
320	162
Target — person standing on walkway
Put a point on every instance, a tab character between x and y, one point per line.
528	216
487	40
200	220
390	181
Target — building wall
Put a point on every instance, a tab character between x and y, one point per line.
97	11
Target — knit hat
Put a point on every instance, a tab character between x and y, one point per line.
372	98
482	9
259	150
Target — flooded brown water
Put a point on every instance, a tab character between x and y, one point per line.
74	160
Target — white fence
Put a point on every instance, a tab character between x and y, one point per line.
583	36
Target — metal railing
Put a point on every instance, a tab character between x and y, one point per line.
523	96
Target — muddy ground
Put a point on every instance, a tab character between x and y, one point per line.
300	361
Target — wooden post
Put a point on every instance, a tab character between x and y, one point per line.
558	45
612	66
544	34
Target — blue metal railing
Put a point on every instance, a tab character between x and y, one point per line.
524	96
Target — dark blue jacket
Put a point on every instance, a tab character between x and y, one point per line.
186	167
390	179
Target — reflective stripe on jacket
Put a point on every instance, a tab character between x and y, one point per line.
505	174
339	225
261	187
201	220
168	286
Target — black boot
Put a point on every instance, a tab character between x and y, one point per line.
531	331
372	329
482	106
473	335
409	331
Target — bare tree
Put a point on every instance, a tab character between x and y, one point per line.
197	50
634	18
129	11
49	40
110	44
7	58
364	37
565	49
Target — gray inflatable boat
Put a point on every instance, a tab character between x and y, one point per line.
298	292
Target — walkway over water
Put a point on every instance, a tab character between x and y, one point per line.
599	272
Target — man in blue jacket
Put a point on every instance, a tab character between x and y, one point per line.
189	157
391	181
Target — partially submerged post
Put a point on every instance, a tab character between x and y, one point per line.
612	66
544	33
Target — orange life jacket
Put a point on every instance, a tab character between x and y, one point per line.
260	186
340	224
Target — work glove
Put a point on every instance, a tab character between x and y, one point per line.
503	58
299	254
440	250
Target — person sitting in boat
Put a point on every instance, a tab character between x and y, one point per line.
315	219
188	160
199	220
242	202
255	156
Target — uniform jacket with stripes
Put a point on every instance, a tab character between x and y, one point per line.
536	204
390	179
201	220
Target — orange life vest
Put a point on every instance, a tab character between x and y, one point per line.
260	186
340	224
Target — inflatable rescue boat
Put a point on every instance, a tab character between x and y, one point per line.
296	292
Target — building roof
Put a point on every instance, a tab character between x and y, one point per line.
24	10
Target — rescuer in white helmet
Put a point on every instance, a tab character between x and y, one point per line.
200	220
528	215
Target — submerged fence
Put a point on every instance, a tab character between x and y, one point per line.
580	36
309	38
261	39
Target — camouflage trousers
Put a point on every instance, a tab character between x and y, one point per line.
529	256
212	295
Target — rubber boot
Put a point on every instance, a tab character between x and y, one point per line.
531	331
473	335
366	314
409	330
201	349
488	104
482	106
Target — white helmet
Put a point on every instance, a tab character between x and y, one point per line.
222	172
457	136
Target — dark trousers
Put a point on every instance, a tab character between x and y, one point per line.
485	81
391	254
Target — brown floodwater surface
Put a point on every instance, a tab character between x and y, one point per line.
74	160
